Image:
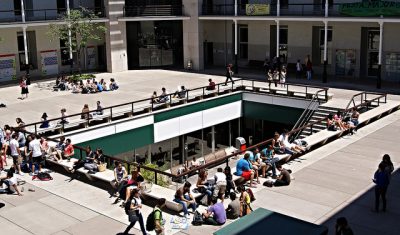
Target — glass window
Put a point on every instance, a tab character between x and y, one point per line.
283	43
17	7
64	53
243	42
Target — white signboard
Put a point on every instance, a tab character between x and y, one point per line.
49	62
91	57
7	67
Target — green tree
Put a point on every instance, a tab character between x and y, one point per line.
79	23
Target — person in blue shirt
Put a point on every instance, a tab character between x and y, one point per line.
267	156
99	87
244	169
381	179
257	164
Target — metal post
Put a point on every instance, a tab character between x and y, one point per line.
213	139
277	38
236	47
278	8
25	46
325	75
236	8
23	11
379	78
326	8
69	33
230	134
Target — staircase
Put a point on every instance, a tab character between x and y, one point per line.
321	112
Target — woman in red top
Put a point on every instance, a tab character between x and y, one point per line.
69	150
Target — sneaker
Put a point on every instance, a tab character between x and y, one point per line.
187	216
21	173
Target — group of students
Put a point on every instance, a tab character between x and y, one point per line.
64	83
180	93
338	122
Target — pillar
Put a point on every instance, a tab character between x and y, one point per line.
193	35
236	47
117	59
213	139
379	78
277	38
324	74
69	34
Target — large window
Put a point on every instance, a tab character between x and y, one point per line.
31	46
373	52
243	42
17	7
329	45
283	43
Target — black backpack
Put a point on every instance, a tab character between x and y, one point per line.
128	206
150	221
42	176
197	219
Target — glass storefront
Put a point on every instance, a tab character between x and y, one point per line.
154	44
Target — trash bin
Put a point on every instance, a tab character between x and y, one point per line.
240	143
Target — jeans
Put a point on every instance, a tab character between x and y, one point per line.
121	185
227	79
229	186
309	72
141	222
219	189
380	192
7	189
183	203
272	162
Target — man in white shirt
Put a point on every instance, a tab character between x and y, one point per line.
16	153
35	153
9	184
220	183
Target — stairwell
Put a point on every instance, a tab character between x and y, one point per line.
321	112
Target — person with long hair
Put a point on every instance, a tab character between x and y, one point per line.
135	212
381	179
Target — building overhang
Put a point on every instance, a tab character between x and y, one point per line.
42	23
154	18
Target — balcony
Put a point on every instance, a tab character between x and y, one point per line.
361	9
13	16
153	10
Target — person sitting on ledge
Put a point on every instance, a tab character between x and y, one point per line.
45	123
113	85
215	214
85	112
243	169
183	197
154	98
181	93
211	85
163	97
284	178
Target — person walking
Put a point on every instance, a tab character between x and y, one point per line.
309	67
299	69
229	74
24	88
133	210
381	179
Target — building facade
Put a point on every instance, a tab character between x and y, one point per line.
353	38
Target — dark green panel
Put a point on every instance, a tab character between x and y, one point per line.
207	104
124	141
273	113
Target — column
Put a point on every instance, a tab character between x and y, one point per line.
379	78
25	38
236	47
277	38
148	160
193	35
325	74
116	44
69	35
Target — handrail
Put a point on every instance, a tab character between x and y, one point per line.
149	100
217	161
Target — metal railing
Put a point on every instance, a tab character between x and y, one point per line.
153	10
365	103
147	105
363	97
307	114
7	16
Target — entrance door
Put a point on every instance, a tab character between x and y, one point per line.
373	53
101	57
208	53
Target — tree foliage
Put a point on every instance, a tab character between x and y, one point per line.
83	30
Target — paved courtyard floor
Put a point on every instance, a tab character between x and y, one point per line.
332	181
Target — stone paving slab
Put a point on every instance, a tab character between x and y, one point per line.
8	227
67	207
99	225
38	218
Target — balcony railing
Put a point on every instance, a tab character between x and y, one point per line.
153	10
301	9
42	14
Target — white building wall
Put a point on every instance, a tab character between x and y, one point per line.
259	40
220	33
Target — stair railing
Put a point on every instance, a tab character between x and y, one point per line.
307	114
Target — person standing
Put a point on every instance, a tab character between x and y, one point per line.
381	179
35	152
299	69
15	153
158	219
134	212
309	67
229	74
24	88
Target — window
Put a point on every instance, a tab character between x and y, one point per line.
284	3
283	43
64	52
31	45
61	6
329	45
330	4
373	52
17	7
243	42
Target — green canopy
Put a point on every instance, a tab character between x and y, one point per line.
271	223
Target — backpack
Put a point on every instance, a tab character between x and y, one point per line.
251	195
197	219
42	176
150	221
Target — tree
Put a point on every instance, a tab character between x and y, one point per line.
79	24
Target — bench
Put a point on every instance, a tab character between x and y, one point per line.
158	192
